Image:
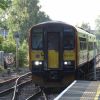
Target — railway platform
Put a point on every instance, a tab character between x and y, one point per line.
81	90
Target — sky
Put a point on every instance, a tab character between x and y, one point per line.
73	12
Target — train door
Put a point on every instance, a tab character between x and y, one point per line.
53	39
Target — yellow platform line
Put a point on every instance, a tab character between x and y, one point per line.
97	94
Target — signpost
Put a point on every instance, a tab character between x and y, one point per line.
9	59
16	36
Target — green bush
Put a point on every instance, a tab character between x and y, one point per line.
1	39
9	46
0	47
23	54
1	68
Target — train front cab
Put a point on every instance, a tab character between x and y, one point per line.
52	54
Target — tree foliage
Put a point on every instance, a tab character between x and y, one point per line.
23	15
1	39
19	17
86	26
23	51
8	45
4	4
97	21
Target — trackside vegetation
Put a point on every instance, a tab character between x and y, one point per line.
19	16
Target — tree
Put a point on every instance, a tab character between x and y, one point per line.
8	45
23	51
86	26
4	4
20	17
97	21
23	15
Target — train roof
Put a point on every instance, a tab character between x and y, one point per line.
64	24
53	22
83	31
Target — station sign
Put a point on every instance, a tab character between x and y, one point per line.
9	58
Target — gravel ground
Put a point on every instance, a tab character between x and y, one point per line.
11	73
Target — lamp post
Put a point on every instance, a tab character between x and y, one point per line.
16	36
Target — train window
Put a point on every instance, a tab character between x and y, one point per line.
90	46
95	45
69	38
53	40
83	44
37	40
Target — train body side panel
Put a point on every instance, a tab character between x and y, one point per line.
82	52
91	47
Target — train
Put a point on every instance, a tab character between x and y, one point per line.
60	53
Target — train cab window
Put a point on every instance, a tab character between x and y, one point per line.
37	40
68	39
53	40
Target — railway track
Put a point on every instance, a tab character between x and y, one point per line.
21	88
38	95
52	92
7	84
8	88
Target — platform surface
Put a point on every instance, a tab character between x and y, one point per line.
81	90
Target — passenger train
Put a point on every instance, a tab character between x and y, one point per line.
60	53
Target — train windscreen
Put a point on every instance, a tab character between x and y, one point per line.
53	41
69	40
37	40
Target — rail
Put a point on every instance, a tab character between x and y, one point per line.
16	85
39	93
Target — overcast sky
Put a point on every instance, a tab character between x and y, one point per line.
72	11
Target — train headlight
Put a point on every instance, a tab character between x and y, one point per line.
37	63
40	62
67	62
